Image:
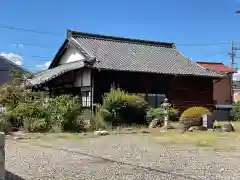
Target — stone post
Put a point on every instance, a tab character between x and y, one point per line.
166	117
166	106
2	156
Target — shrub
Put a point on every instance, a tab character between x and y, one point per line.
124	107
12	93
28	110
173	114
79	123
193	112
152	114
35	125
216	124
62	112
235	112
158	113
15	122
97	121
5	125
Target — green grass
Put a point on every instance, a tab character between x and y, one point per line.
55	136
205	139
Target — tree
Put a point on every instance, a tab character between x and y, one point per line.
235	112
12	93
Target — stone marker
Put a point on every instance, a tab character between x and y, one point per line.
2	156
207	121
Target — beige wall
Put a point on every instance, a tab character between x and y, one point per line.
222	92
236	95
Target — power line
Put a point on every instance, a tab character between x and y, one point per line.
214	44
36	56
58	34
28	30
39	45
213	54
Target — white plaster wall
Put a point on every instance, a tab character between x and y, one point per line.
71	55
83	78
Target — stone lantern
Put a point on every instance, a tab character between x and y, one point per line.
166	105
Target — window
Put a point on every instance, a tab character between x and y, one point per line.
86	99
155	100
160	99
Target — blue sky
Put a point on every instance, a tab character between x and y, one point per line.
182	22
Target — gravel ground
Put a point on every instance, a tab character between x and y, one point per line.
116	157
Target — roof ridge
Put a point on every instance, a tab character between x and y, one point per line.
210	62
121	39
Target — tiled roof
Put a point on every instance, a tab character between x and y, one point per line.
123	54
217	67
50	74
137	55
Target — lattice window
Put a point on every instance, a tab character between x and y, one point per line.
86	98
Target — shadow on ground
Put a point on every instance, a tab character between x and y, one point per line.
11	176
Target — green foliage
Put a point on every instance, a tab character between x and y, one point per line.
216	124
154	113
24	107
29	114
5	125
35	125
29	110
12	93
235	112
56	115
158	113
194	112
124	107
97	121
62	112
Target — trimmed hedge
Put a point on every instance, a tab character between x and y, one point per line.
194	112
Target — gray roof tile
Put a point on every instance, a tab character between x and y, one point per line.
137	55
50	74
125	54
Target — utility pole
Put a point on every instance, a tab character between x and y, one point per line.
232	54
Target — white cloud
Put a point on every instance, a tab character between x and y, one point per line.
44	66
236	76
13	57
